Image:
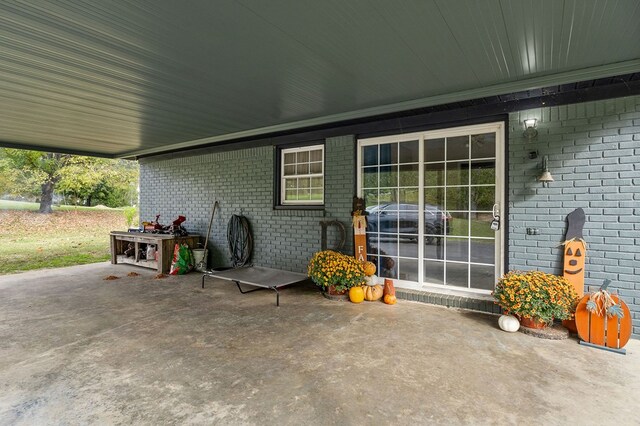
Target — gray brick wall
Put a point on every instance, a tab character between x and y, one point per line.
242	182
594	157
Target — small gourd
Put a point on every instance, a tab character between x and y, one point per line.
372	293
389	299
508	323
388	287
369	268
356	294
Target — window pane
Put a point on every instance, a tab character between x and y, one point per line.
483	146
389	153
482	197
304	183
458	148
317	194
289	170
408	269
409	175
459	224
434	198
408	246
457	199
315	155
481	225
388	195
303	156
370	155
388	267
302	169
290	158
370	177
483	172
434	272
388	176
458	173
291	195
482	251
316	182
290	183
458	274
370	199
482	277
409	152
434	150
434	174
457	249
304	194
315	167
409	196
434	248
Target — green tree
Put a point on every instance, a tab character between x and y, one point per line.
86	179
35	168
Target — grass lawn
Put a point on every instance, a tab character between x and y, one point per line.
30	240
22	205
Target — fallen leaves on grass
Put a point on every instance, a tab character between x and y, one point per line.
133	274
111	277
160	276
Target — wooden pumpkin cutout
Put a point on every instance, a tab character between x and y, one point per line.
601	329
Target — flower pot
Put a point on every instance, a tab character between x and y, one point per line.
532	323
570	325
332	294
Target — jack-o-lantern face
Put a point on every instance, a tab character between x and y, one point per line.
574	260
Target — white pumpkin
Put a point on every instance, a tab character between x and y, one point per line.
371	280
508	323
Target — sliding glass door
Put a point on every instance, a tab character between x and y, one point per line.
431	199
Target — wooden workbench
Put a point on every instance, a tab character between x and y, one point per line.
164	248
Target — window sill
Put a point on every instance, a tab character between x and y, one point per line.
299	211
299	207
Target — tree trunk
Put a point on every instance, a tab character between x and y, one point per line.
46	199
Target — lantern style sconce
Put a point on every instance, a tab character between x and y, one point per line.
530	131
545	177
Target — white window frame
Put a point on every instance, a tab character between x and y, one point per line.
283	152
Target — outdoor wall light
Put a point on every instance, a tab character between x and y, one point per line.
545	177
530	131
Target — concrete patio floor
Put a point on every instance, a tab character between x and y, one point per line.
76	349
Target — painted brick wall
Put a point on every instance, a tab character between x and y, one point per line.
242	182
594	157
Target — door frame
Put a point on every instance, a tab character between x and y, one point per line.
500	153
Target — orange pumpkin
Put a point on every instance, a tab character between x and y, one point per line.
369	268
574	260
372	292
356	294
388	287
390	299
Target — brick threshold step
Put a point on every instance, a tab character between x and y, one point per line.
449	300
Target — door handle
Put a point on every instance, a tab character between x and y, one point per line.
495	211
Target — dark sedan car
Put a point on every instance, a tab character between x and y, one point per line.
403	219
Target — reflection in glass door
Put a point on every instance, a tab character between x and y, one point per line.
430	199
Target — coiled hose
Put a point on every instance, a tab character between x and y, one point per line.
240	240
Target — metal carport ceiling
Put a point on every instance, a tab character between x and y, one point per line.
118	78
